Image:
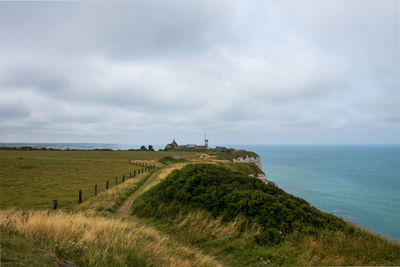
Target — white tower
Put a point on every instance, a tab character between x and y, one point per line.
205	141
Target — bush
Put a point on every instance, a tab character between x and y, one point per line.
231	194
168	160
269	237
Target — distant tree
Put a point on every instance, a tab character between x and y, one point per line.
143	148
151	148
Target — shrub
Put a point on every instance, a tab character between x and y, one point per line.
231	194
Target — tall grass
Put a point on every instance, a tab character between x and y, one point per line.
106	202
185	204
233	243
97	241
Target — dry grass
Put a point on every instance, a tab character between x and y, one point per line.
154	179
107	201
146	162
338	248
104	241
203	223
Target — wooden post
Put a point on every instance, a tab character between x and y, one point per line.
106	185
116	180
123	178
80	196
95	189
138	171
55	206
134	173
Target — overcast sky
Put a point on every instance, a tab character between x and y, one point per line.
244	72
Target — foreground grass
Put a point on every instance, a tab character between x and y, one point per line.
243	222
16	250
233	243
93	234
99	241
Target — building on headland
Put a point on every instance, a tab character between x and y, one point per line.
174	145
171	146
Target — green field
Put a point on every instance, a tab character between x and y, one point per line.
32	179
192	210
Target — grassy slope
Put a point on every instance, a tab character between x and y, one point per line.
245	222
232	154
93	234
244	168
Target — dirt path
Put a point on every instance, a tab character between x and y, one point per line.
154	179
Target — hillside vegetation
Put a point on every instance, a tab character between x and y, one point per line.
182	213
231	154
247	220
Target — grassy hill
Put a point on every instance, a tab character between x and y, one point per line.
183	213
243	220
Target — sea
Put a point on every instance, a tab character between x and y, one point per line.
360	183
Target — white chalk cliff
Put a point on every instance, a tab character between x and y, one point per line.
257	161
254	160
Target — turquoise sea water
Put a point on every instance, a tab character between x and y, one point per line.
358	183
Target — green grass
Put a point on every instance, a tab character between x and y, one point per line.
32	179
170	160
201	215
232	154
244	222
107	202
17	250
243	167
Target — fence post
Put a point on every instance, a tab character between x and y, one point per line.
55	206
95	189
123	178
80	196
138	171
106	185
116	180
134	173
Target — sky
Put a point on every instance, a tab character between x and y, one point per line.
243	72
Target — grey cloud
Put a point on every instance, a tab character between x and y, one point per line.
126	30
10	111
128	72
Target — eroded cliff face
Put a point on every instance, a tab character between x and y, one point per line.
257	161
254	160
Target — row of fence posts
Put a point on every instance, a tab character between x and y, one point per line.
145	168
